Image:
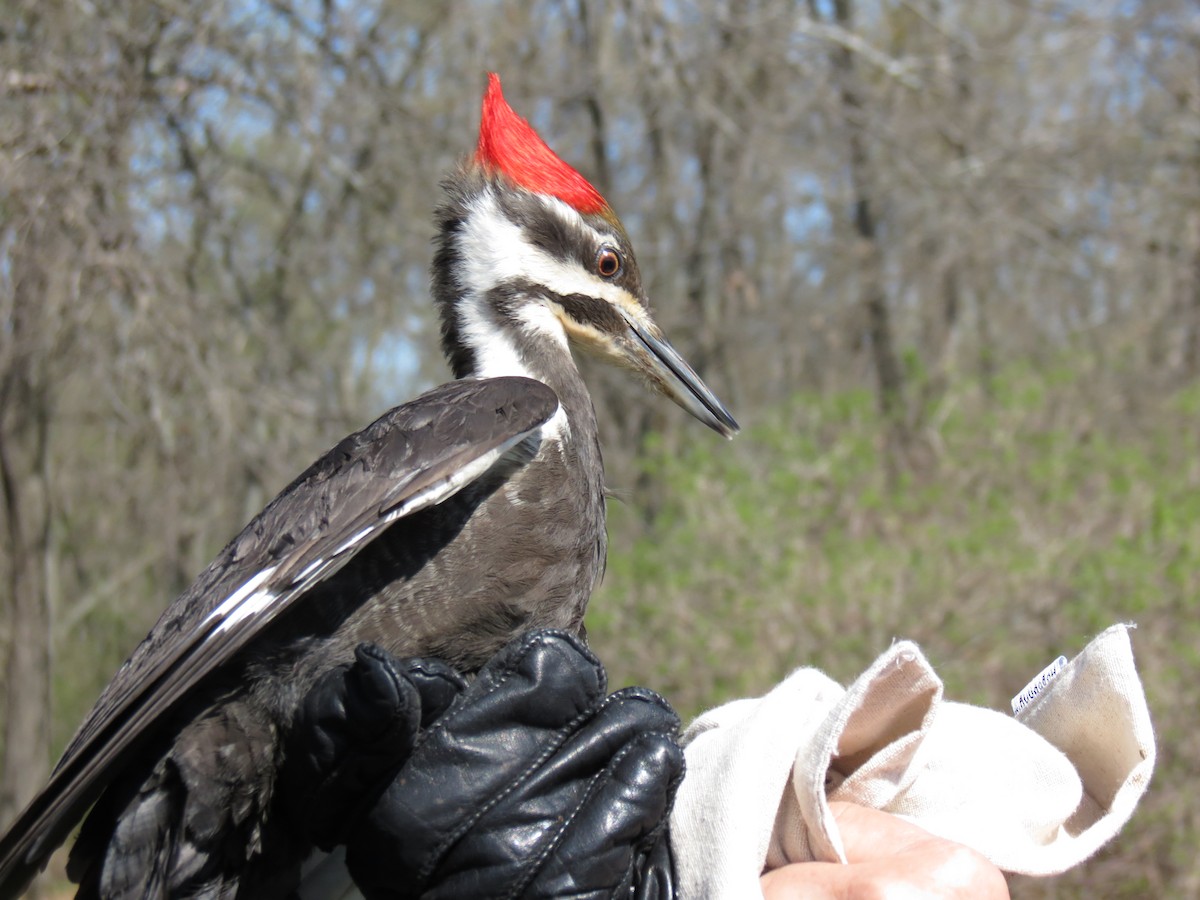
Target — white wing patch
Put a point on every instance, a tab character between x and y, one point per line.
251	598
347	544
457	480
245	601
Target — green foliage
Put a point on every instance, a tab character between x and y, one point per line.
1043	520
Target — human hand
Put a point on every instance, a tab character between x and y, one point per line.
533	783
353	731
888	857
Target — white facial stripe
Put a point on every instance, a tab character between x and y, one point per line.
494	250
558	427
615	295
489	242
572	219
539	318
495	352
497	355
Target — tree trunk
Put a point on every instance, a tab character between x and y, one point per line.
889	376
23	490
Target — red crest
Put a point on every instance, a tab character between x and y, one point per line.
508	144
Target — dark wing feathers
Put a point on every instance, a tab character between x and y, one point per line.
412	457
191	826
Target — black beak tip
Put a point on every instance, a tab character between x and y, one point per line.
725	425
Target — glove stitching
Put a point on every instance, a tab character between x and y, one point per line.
595	785
644	847
660	831
556	841
598	780
560	737
442	850
653	697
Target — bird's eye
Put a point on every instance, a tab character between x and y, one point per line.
608	262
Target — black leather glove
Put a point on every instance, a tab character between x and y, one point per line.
353	731
532	784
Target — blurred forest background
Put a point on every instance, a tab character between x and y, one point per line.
941	257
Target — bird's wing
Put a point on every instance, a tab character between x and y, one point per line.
413	457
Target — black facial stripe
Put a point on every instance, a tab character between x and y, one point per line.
507	298
446	291
592	311
547	230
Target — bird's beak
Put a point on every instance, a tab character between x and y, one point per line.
655	358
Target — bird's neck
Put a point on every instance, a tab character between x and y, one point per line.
529	342
493	321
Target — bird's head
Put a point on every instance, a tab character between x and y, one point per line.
532	261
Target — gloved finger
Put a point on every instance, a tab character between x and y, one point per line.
521	700
439	685
541	658
622	817
587	849
512	840
655	875
353	730
522	706
592	744
624	767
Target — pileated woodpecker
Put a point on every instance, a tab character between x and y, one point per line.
443	529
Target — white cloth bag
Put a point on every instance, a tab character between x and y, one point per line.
1035	794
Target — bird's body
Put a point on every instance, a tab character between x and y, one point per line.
445	528
392	593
